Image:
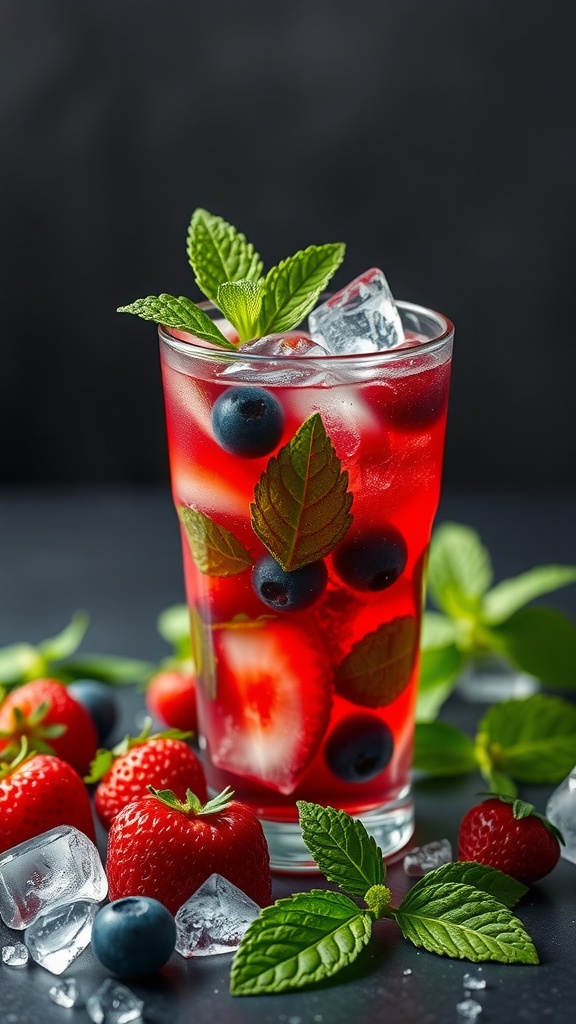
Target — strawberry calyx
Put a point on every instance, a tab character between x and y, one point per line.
192	806
104	758
34	727
7	768
523	809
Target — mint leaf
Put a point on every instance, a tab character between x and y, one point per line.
542	642
108	668
292	288
496	883
341	847
510	595
459	570
180	314
439	670
463	922
67	641
217	252
214	549
533	740
442	749
301	506
378	667
173	625
19	662
240	301
438	631
298	941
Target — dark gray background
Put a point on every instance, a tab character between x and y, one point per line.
435	137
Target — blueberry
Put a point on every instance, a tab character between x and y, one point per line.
247	421
373	560
288	591
134	936
359	748
99	702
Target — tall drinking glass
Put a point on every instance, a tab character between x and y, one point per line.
306	488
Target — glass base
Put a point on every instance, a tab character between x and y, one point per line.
391	826
491	680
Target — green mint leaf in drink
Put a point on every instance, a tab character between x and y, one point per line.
532	740
459	570
439	671
301	507
66	642
218	253
215	550
298	941
441	749
241	301
495	883
378	667
181	314
341	847
202	654
507	597
542	642
292	288
461	921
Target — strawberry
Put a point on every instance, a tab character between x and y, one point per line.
37	793
52	721
171	697
123	773
272	706
166	848
509	835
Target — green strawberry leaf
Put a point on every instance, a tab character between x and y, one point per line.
501	887
215	550
341	847
532	740
301	507
292	288
179	313
68	640
542	642
510	595
218	253
19	662
442	749
241	301
461	921
378	667
439	670
459	570
299	940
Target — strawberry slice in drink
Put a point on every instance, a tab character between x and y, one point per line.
273	703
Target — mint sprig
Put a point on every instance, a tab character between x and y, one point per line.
460	910
218	253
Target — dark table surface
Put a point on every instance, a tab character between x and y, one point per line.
116	554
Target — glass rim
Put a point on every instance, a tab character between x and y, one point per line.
195	348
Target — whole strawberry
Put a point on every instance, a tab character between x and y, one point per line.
52	721
162	760
171	697
39	792
166	848
508	834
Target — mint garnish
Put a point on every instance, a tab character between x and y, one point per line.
378	667
217	253
215	550
301	506
292	289
179	313
241	301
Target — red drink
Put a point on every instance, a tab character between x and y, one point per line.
310	694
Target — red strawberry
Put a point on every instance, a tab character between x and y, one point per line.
509	835
171	697
52	720
162	847
163	760
273	701
39	792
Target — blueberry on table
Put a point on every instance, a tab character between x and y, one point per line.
359	748
134	936
99	702
247	421
288	591
372	560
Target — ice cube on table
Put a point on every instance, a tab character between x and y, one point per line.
362	317
58	936
473	983
214	919
469	1009
422	859
113	1003
278	347
65	993
561	811
15	955
55	867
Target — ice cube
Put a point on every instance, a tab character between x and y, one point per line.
362	317
65	993
56	867
15	956
473	983
422	859
468	1009
278	347
561	811
58	936
113	1003
214	919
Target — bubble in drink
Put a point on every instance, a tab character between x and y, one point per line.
362	317
57	937
214	919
